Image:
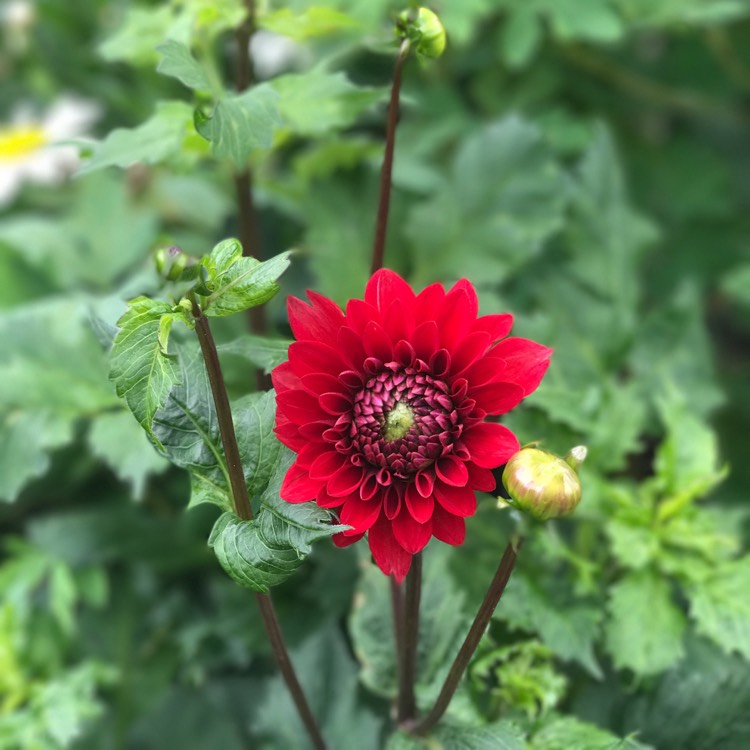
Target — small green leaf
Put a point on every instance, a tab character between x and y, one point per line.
720	606
568	732
141	369
316	21
265	551
241	124
154	141
645	629
237	283
500	735
178	62
258	350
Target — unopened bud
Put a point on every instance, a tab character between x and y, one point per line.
171	262
543	484
425	32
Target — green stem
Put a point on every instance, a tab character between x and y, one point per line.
406	703
381	225
473	637
243	508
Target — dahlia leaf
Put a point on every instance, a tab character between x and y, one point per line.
241	124
566	732
178	62
141	367
237	283
152	142
721	606
645	629
500	735
266	550
258	350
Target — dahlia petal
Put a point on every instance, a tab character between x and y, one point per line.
419	507
468	351
526	362
288	433
485	371
309	453
426	339
316	383
440	363
313	431
324	500
459	501
452	471
350	346
345	480
359	313
490	445
392	503
319	322
299	407
377	342
481	480
497	326
385	286
457	315
410	534
326	464
404	353
297	486
428	303
359	514
447	527
397	321
326	308
335	403
388	554
497	398
342	540
284	378
424	481
314	356
369	486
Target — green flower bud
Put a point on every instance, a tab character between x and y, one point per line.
171	262
425	32
543	484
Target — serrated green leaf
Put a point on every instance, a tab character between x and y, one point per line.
720	606
242	124
510	201
266	550
142	371
178	62
117	439
570	632
644	631
139	32
260	351
316	102
568	732
160	137
500	735
242	282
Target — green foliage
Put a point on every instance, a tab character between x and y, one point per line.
265	551
178	62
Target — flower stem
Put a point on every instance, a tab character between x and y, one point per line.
397	609
243	508
469	646
247	216
406	704
381	226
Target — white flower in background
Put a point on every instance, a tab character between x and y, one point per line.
17	17
28	144
273	54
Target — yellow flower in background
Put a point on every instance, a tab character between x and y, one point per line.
32	148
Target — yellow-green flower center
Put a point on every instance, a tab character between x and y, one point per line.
398	422
20	140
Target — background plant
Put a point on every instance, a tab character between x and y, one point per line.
584	165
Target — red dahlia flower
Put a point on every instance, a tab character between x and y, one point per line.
386	405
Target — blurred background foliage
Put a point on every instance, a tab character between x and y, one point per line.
585	163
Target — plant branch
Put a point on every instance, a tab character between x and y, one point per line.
381	225
397	609
406	704
469	646
243	508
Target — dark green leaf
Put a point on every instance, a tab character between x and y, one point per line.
566	733
501	735
258	350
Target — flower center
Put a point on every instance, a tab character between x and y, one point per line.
18	141
402	421
398	422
